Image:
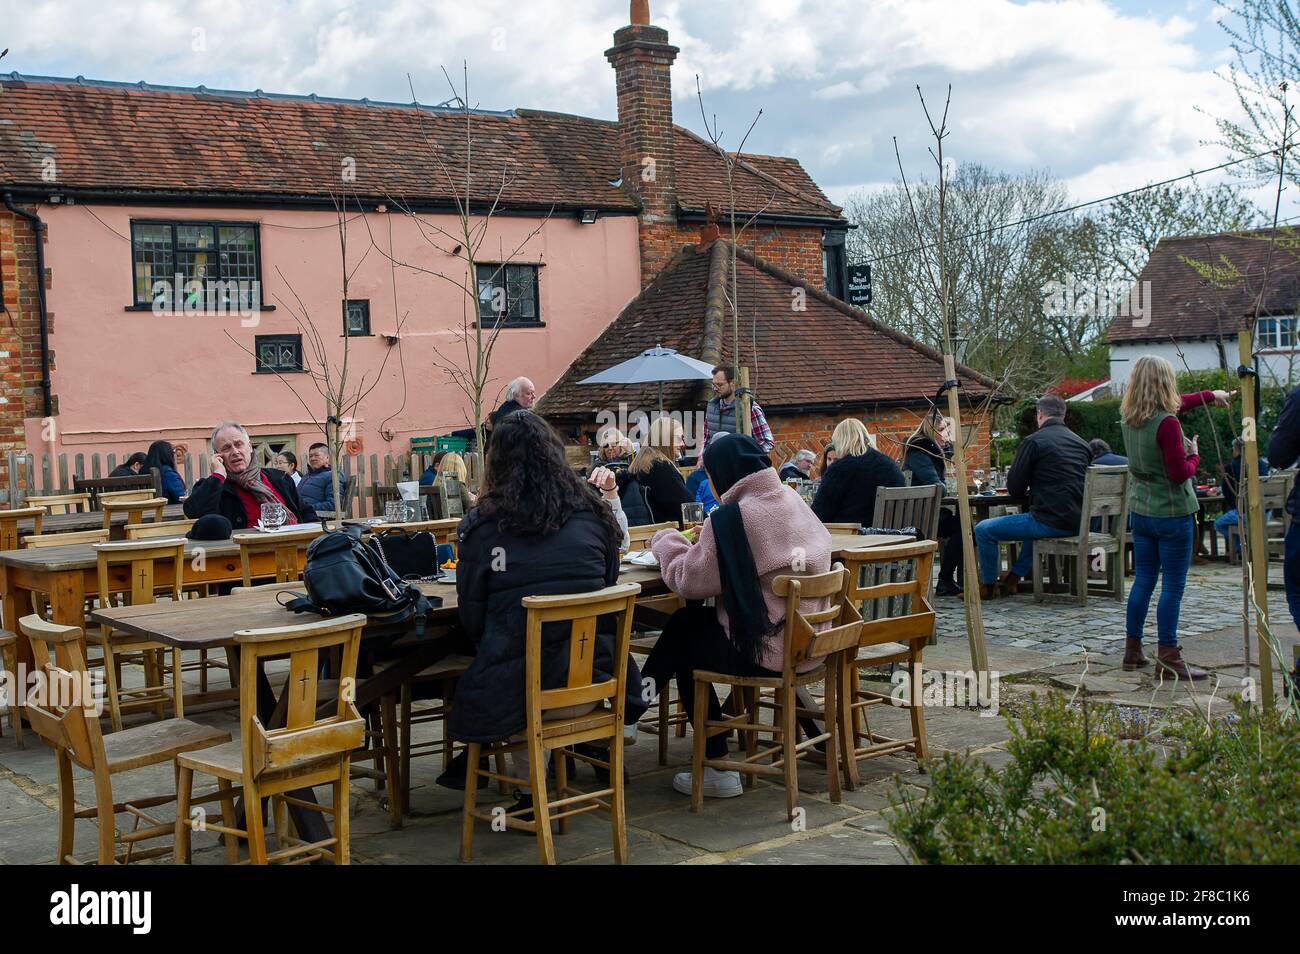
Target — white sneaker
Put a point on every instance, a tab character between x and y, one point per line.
717	784
629	734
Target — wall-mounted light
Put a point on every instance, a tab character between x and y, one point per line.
587	216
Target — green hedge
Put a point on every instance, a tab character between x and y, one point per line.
1092	419
1087	786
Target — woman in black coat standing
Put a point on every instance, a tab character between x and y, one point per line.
926	455
538	529
848	488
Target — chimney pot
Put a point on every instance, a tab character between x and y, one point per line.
640	12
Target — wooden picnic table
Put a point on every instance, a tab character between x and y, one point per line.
985	501
91	520
66	575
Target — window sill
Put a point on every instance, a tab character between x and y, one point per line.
199	314
1287	351
281	371
368	334
512	325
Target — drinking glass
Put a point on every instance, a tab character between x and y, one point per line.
273	515
692	514
977	476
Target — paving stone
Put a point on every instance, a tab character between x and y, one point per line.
843	846
1092	684
730	823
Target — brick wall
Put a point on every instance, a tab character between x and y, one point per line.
20	358
797	250
890	426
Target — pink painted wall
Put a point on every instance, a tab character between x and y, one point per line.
126	378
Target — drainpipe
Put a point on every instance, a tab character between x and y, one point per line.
38	229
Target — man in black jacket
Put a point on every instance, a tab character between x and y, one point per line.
238	486
1049	469
1283	451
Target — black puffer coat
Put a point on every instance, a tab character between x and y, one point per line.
495	572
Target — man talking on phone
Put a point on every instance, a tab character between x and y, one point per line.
238	487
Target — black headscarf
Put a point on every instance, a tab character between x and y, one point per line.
727	462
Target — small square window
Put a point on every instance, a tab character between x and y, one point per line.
507	294
356	317
278	353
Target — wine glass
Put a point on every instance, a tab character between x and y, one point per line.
977	476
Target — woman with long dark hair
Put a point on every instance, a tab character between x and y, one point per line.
926	455
760	531
539	529
162	456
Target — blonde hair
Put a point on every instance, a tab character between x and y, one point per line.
657	446
1152	388
850	438
453	465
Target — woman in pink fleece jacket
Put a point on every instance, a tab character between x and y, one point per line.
762	530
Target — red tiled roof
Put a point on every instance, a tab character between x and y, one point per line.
140	139
829	354
1203	285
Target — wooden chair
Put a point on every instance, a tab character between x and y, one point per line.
803	643
312	748
9	525
135	510
1273	493
890	587
98	487
842	527
451	498
641	536
135	563
286	547
382	494
9	658
443	677
61	503
1105	498
558	733
66	539
152	531
64	716
900	507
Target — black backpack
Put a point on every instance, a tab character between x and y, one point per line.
343	576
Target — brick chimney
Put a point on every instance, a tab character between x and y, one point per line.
642	59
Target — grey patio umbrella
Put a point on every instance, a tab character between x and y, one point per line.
654	365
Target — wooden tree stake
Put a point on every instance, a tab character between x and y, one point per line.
1257	550
979	657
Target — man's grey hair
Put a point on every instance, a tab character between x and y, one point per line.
514	387
1051	405
225	426
804	455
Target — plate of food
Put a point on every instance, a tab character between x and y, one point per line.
447	571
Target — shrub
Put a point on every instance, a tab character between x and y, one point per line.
1077	793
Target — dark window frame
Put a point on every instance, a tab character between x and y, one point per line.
216	225
347	332
534	322
260	340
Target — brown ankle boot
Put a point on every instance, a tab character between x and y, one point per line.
1133	656
1172	662
989	591
1009	584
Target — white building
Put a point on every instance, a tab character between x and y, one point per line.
1193	295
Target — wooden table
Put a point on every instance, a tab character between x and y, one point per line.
985	501
67	574
93	520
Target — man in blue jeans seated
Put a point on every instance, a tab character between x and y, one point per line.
1231	481
1049	469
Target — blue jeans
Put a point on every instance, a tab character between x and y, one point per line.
1229	519
1162	546
1011	528
1291	569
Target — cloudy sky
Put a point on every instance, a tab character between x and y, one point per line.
1104	93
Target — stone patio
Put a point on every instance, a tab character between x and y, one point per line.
1031	649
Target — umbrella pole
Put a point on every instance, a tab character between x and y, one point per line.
661	399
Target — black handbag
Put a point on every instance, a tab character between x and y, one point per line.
413	556
343	575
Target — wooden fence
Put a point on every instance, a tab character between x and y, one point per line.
39	474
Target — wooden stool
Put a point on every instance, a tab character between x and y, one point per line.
134	509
